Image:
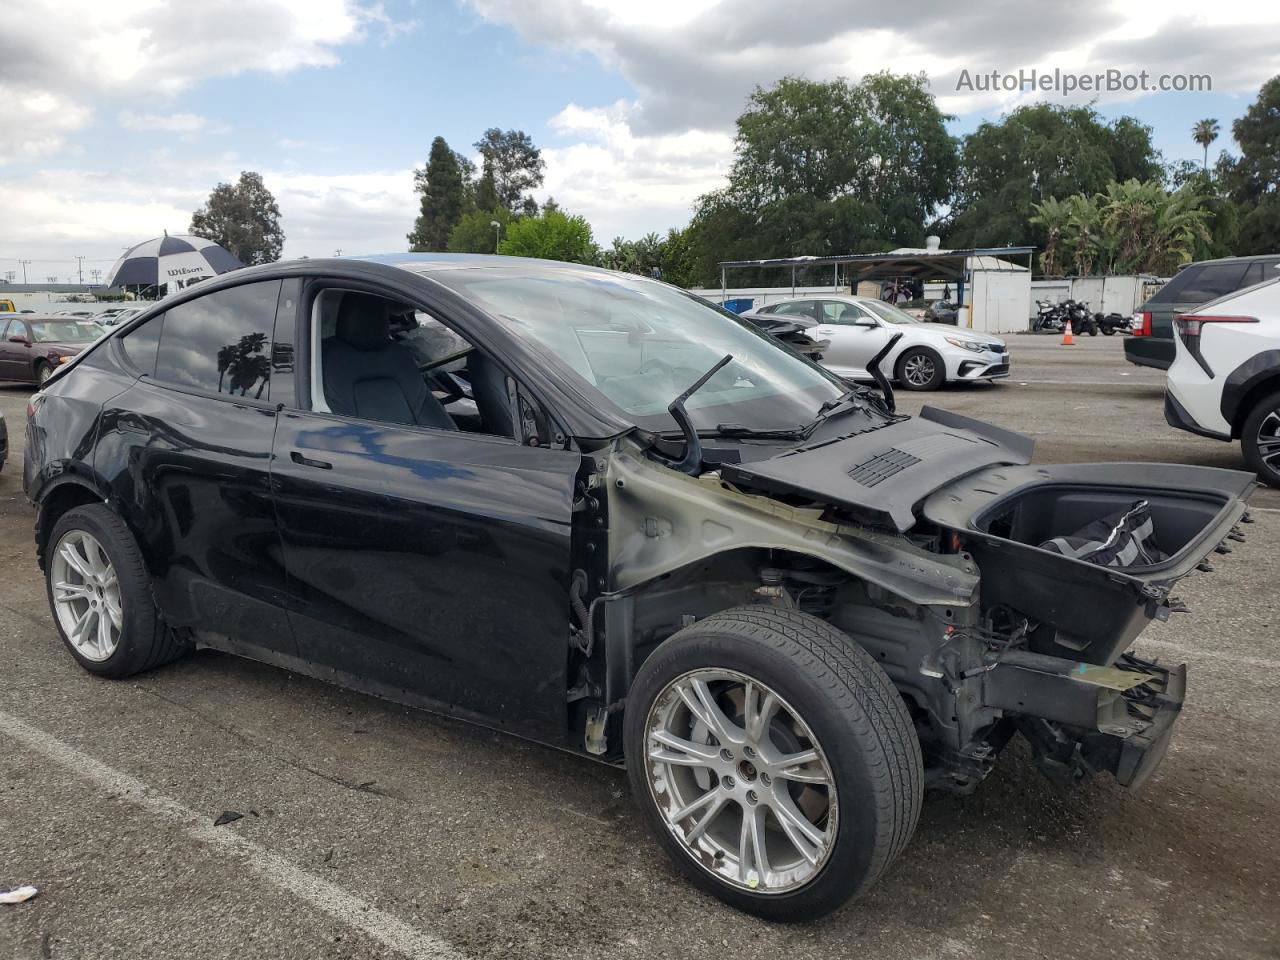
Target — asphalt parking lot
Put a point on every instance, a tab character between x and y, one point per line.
370	830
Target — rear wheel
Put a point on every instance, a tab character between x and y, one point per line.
1260	439
100	596
921	369
774	760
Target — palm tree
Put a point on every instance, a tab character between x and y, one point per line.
1204	133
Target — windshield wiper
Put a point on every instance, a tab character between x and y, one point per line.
691	462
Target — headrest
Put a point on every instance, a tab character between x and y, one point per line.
364	321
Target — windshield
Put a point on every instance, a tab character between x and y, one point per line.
63	331
641	343
887	311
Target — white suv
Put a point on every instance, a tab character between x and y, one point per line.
1225	379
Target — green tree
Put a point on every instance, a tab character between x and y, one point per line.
1204	133
513	165
1253	179
242	217
474	232
827	168
1131	227
1034	153
551	236
441	185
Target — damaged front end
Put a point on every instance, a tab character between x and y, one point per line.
921	539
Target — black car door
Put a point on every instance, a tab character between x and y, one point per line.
428	564
187	452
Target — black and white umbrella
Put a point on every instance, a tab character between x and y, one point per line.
166	259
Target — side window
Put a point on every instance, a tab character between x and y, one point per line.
835	311
4	330
1253	275
384	361
141	343
221	342
796	308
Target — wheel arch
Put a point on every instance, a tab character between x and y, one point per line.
56	499
1257	377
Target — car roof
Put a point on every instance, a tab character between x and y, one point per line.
1255	258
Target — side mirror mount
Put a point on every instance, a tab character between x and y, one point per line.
22	340
873	368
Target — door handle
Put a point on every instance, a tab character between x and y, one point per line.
308	462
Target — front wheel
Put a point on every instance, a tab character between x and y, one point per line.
921	369
1260	440
44	370
774	760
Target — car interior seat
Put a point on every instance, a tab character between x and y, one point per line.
367	374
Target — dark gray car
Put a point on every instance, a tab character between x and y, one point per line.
1152	342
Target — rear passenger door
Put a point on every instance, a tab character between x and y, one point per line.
187	452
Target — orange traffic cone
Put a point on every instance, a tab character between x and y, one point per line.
1066	335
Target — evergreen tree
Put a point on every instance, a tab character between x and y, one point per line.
442	187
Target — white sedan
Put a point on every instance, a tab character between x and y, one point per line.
927	356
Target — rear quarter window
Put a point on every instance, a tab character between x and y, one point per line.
1202	283
221	342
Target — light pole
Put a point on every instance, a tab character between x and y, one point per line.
80	268
24	269
497	234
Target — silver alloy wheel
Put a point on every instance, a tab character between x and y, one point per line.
43	374
918	370
741	781
1269	440
86	595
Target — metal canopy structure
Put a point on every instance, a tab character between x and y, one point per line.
915	264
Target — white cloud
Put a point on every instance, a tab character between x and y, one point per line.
697	68
56	215
61	58
628	184
183	123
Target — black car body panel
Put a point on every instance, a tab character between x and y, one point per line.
519	580
881	474
414	555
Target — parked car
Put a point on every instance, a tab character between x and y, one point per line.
628	525
793	334
32	347
1225	378
121	315
1151	343
4	442
927	356
942	311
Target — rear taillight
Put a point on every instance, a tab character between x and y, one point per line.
1142	324
1190	328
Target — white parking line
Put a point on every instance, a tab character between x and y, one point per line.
328	898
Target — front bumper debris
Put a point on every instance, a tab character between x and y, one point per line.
1081	718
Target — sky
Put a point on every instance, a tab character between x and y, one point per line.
117	117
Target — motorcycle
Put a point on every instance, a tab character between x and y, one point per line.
1082	320
1113	323
1049	316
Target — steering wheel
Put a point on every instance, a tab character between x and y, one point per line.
442	380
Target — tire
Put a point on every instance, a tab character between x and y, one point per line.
142	639
1108	330
44	370
1260	440
859	729
922	355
